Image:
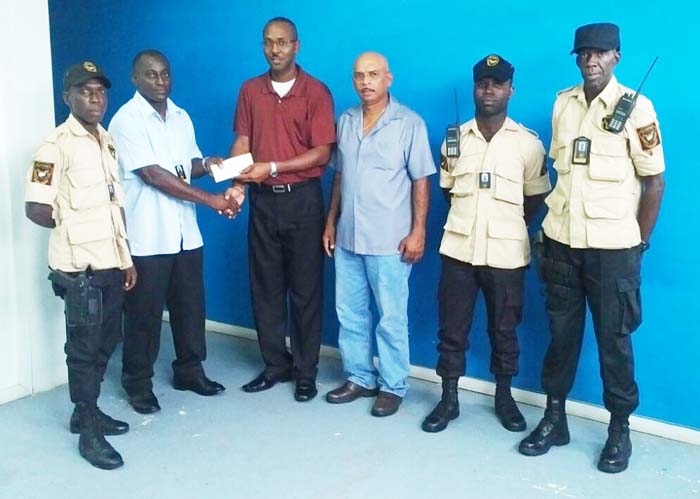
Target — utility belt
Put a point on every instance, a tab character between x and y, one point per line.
83	298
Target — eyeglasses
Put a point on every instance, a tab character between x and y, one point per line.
370	75
282	44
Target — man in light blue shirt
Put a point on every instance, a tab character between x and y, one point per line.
158	156
380	193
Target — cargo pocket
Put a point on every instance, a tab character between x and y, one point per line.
558	276
629	290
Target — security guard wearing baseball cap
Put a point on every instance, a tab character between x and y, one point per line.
497	182
73	188
601	215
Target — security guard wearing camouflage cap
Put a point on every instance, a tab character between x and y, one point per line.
601	215
73	188
497	182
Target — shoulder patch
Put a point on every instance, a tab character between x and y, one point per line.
649	136
42	173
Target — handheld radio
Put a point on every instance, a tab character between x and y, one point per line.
615	122
452	135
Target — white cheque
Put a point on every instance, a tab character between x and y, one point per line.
232	167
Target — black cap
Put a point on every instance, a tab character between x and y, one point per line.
602	36
78	74
493	66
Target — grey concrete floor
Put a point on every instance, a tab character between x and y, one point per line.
266	445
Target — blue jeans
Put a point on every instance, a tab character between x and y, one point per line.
387	279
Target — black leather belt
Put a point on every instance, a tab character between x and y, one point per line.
283	188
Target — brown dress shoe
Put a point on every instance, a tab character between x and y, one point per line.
386	404
348	392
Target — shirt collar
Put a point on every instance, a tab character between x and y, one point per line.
508	124
79	130
393	110
608	95
147	110
297	89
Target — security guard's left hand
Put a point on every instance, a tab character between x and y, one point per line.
412	246
257	172
130	278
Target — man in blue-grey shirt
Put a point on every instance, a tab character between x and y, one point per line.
380	194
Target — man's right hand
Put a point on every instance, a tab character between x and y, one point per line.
328	239
226	206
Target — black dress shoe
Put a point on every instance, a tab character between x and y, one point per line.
386	404
508	413
108	425
266	381
305	390
144	403
348	392
616	454
200	385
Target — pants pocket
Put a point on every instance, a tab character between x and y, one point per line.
629	291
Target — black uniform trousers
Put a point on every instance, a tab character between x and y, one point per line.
174	281
609	281
459	285
286	267
88	348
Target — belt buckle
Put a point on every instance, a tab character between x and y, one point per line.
278	189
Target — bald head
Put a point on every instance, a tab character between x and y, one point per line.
374	59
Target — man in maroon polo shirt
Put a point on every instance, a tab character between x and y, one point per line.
284	118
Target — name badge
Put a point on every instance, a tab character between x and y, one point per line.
180	172
110	189
485	180
582	151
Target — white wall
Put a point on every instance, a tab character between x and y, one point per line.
31	318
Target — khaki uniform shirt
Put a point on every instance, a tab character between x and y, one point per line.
486	225
75	174
595	205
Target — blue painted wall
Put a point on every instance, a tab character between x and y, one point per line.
215	45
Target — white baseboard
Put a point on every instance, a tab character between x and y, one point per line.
13	393
573	408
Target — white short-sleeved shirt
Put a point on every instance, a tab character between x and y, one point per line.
157	223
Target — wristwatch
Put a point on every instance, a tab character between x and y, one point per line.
273	169
644	245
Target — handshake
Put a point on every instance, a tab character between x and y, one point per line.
229	202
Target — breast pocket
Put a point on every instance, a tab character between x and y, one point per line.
87	187
464	174
610	160
509	183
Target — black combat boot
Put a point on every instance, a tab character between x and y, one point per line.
615	456
446	410
552	430
92	444
506	409
110	426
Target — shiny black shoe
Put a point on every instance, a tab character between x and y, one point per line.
616	454
144	403
109	426
201	385
508	413
266	381
552	430
305	390
349	392
386	404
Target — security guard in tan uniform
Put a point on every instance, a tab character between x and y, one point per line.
497	183
73	188
601	215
